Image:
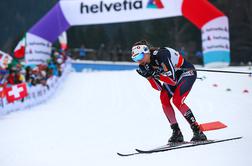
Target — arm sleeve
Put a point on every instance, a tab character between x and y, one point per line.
168	76
155	84
167	80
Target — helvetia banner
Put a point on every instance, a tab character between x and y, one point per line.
215	41
83	12
38	50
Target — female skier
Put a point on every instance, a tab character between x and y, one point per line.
166	65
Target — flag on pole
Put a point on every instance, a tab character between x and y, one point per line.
63	41
19	51
1	92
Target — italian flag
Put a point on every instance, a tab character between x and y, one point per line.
19	51
63	41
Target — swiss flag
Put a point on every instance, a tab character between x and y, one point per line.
16	92
19	51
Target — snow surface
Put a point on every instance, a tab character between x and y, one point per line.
94	115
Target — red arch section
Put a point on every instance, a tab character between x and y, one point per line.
200	12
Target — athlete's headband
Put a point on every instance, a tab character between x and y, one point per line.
138	52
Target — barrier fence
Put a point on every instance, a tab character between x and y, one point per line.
36	94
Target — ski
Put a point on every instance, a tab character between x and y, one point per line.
128	154
182	145
190	144
156	148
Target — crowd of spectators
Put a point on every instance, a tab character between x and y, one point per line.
117	53
102	53
17	72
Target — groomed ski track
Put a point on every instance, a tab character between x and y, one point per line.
96	114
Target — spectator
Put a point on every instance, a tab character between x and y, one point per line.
34	76
28	73
3	77
42	78
63	53
20	78
199	57
49	72
101	51
82	52
183	52
12	77
52	66
119	52
199	54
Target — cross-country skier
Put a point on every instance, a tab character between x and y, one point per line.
162	68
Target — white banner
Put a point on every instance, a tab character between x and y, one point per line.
215	35
5	59
38	50
84	12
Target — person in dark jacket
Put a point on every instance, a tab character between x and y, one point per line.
163	68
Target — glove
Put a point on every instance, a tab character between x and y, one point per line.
157	73
146	70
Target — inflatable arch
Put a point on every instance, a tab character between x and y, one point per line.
66	13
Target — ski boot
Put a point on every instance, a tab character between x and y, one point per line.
198	135
176	134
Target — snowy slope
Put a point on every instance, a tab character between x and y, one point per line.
96	114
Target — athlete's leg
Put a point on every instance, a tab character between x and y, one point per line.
165	98
183	88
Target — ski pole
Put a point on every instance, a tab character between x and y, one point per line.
216	71
201	78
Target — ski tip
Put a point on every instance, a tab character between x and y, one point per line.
125	155
234	138
138	150
119	154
